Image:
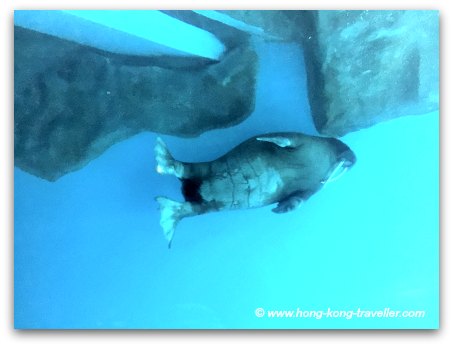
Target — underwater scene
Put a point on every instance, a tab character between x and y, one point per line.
226	169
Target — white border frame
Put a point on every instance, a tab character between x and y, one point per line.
9	336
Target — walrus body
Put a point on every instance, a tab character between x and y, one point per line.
283	168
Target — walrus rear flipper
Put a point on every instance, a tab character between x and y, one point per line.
171	212
166	164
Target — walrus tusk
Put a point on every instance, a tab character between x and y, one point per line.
336	173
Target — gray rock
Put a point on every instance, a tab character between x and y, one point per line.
72	102
366	67
363	67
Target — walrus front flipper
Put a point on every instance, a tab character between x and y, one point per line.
280	140
171	212
291	202
166	164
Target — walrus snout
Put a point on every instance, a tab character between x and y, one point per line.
348	158
345	159
343	153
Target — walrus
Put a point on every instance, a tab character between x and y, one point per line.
283	168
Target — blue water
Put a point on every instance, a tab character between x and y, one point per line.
89	250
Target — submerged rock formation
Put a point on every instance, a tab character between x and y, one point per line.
363	67
73	102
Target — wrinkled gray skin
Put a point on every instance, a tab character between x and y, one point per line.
260	172
283	168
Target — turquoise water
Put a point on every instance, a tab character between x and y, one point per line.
89	250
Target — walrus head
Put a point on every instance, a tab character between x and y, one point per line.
348	158
345	159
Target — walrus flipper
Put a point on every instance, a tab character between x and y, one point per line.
171	212
166	164
279	140
291	202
